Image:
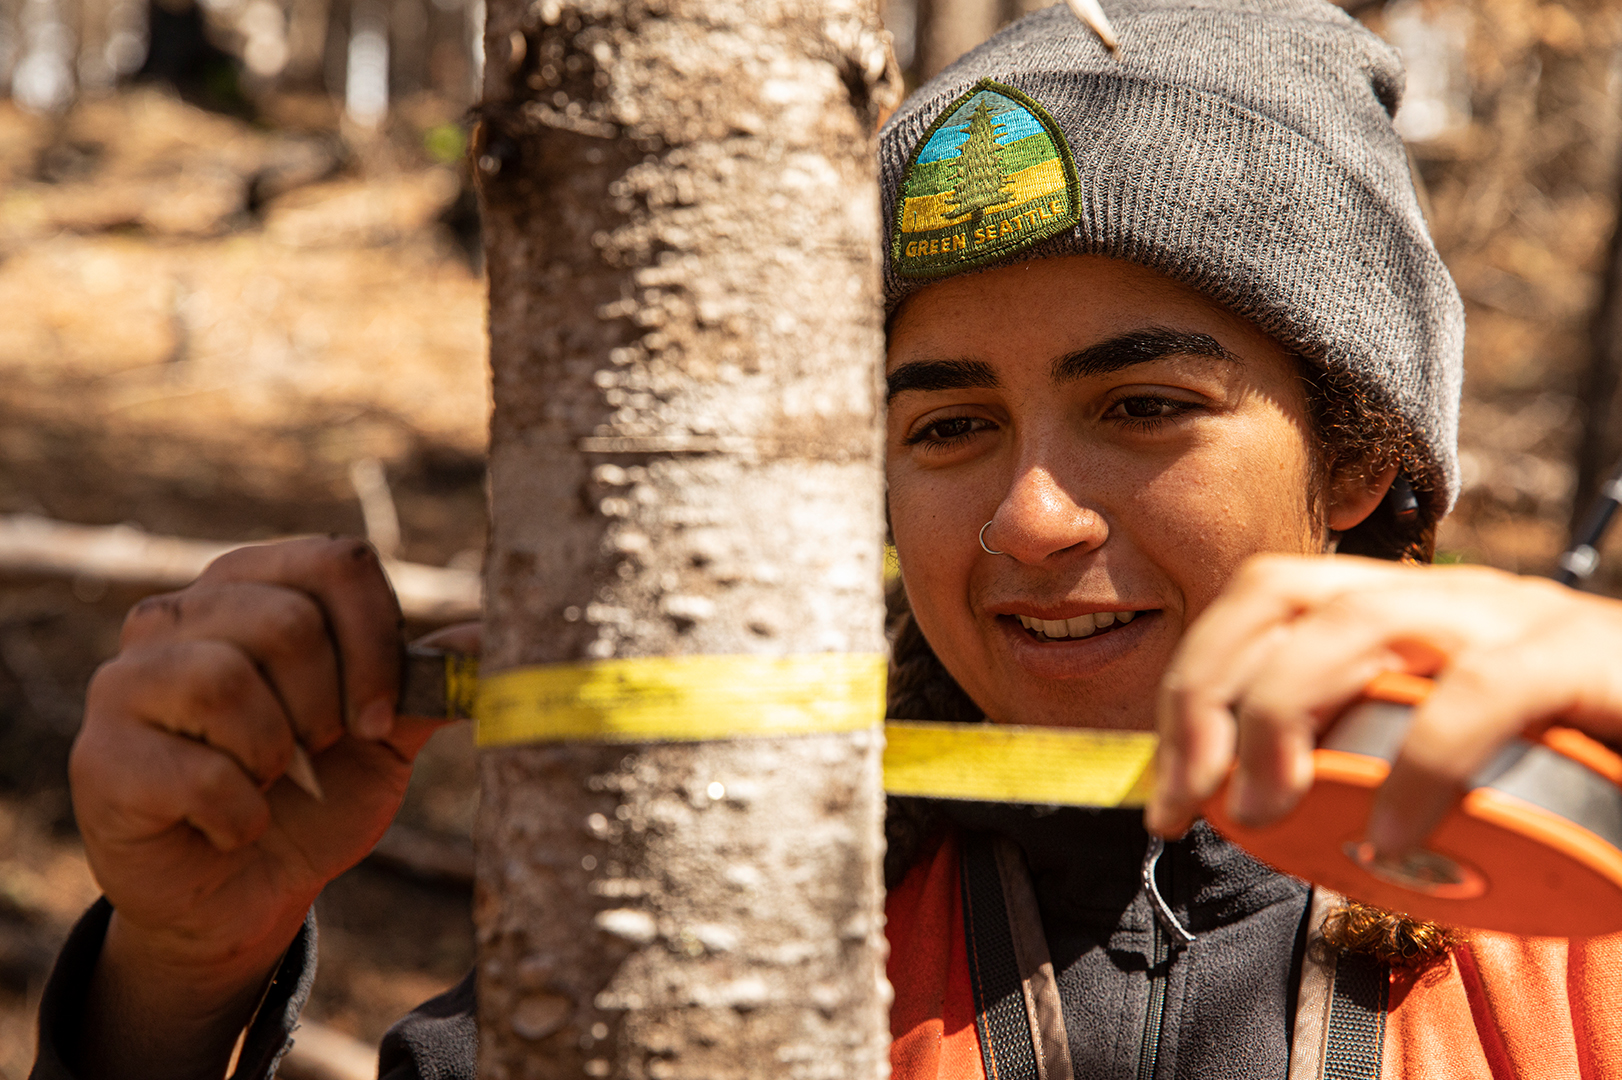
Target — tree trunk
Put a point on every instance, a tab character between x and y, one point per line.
1599	392
682	226
947	29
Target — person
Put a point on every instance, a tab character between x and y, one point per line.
1166	328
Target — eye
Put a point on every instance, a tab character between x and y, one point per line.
1146	408
1146	411
947	431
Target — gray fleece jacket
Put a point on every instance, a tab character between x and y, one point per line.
1134	1006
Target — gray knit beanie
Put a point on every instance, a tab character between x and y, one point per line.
1244	149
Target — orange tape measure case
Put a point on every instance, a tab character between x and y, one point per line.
1534	848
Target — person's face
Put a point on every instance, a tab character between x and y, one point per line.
1130	443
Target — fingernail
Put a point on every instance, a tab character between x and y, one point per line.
1247	803
1386	833
302	772
375	720
1169	769
1162	821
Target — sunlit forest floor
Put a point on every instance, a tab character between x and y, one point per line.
206	323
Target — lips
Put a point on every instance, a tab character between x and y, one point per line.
1045	656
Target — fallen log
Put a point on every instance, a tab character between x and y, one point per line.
123	554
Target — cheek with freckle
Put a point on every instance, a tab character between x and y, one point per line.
925	552
1201	519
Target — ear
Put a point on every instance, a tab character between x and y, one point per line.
1353	496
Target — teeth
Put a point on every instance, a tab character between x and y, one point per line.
1078	627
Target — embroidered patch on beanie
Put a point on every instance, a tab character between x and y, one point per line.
993	174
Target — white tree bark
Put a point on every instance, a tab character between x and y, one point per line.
682	222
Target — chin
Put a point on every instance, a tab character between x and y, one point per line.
1061	690
1119	701
1136	715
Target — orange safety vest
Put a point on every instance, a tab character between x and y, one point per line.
975	996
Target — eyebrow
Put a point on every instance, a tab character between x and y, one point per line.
1121	351
940	375
1135	347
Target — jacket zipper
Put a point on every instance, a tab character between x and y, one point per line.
1164	925
1150	1053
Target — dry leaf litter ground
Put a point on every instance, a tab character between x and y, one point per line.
206	324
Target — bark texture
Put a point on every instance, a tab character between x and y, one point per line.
947	29
682	225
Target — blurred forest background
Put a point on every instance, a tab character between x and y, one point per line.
241	298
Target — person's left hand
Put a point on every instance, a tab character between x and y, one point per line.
1292	642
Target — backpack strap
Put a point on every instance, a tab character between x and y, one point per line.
1037	981
1016	998
1340	1009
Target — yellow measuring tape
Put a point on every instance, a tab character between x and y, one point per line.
682	698
1003	763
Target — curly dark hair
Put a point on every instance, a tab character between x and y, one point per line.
1355	432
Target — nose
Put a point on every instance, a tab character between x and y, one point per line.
1037	519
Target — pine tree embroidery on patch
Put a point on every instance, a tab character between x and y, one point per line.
979	168
992	175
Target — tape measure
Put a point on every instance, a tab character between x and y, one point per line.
1534	848
681	698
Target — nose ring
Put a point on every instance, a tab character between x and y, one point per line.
983	547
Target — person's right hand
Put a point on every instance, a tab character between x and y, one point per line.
1292	642
209	855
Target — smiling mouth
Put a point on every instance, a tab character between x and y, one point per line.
1081	626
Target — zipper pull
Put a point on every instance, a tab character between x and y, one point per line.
1163	912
